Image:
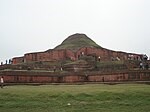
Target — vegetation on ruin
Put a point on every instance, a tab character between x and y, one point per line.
76	98
77	41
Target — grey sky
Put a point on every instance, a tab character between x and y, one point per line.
38	25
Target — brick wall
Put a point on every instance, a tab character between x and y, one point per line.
70	55
49	77
63	54
17	60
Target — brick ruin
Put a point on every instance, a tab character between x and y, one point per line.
63	54
83	45
88	71
73	77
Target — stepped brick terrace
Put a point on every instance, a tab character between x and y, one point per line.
77	59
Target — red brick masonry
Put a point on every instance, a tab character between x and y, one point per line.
51	77
62	54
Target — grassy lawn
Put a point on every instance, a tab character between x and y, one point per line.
76	98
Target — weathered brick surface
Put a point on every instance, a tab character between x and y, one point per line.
18	60
48	77
105	54
70	55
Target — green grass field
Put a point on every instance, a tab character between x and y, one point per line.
82	98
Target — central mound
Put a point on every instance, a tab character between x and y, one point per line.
77	41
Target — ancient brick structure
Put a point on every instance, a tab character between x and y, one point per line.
17	60
50	77
73	48
78	59
62	54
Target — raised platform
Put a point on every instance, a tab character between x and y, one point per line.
48	77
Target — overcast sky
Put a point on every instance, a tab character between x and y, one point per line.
37	25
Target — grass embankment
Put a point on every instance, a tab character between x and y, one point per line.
82	98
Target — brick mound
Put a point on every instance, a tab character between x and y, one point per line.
84	70
77	41
77	59
84	64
